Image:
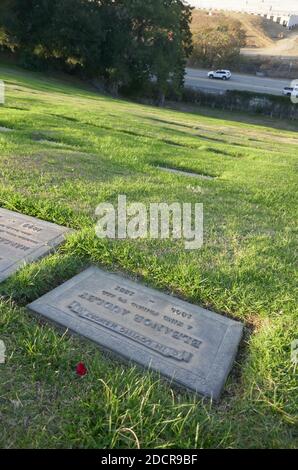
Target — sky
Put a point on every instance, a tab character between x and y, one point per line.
284	5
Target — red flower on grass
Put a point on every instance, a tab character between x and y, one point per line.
81	370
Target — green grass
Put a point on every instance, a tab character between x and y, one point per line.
71	149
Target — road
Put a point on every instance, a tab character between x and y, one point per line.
197	78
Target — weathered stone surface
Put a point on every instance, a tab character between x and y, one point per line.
193	347
24	239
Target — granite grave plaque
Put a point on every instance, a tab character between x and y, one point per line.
193	347
24	239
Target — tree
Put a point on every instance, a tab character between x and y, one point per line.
77	33
161	37
27	22
67	31
125	42
218	45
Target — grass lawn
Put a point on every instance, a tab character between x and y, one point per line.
70	149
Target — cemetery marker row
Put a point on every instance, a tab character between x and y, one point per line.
191	346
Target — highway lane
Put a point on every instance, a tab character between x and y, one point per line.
197	78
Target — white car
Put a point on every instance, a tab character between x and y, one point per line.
220	74
290	91
287	91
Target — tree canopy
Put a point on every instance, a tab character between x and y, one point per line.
126	42
217	43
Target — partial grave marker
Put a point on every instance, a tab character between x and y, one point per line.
24	239
185	173
189	345
49	139
53	143
5	129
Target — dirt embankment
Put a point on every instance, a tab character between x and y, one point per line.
264	37
271	49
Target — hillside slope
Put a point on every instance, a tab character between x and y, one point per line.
65	150
263	36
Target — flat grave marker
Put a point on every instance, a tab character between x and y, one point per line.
24	239
185	173
192	346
